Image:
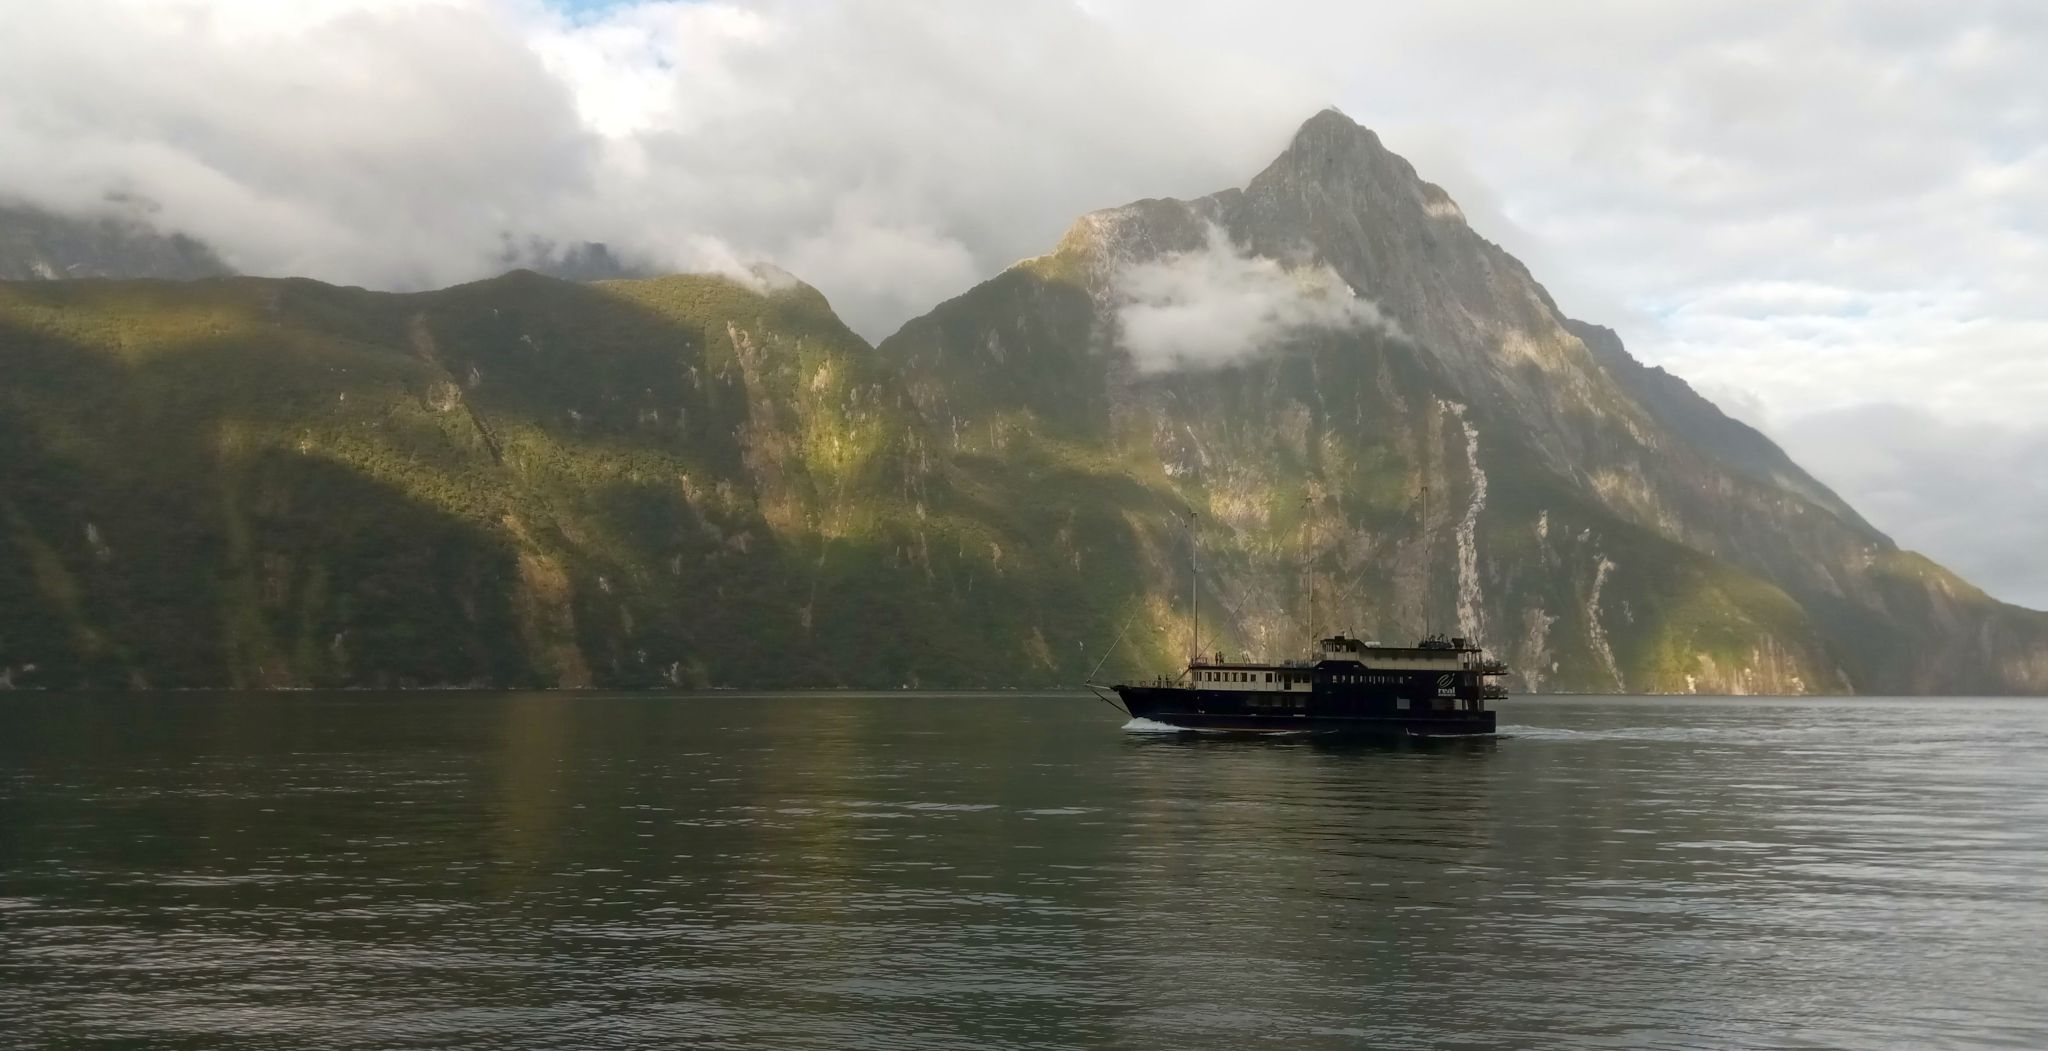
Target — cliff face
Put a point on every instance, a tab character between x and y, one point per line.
699	481
687	481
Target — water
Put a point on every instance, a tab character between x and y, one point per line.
551	871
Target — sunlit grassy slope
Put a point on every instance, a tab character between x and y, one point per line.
684	481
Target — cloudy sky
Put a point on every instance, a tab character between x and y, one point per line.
1831	215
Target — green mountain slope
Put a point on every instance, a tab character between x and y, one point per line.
701	481
523	481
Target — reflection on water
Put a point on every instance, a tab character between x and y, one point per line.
931	872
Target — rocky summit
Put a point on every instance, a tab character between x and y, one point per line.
1360	414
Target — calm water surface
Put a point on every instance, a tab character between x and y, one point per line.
550	871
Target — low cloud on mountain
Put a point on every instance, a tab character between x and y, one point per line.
1217	305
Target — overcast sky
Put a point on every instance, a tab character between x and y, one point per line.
1832	217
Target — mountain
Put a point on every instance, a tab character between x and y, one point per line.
706	480
582	261
42	245
1596	521
682	481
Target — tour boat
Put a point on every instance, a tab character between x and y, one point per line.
1438	686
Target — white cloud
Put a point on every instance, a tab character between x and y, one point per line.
378	143
1218	305
399	144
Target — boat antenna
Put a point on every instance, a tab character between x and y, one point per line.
1308	502
1194	592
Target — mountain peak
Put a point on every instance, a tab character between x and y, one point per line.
1332	122
1332	149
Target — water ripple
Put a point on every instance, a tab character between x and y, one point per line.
907	872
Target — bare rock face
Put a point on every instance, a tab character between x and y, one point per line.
41	245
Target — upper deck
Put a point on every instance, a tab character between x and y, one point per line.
1345	659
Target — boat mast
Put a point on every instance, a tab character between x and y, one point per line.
1194	590
1308	553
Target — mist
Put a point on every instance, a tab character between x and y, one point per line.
1219	305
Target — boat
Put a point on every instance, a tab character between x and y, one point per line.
1437	687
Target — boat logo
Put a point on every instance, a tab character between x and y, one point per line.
1444	679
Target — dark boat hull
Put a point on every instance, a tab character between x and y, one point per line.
1230	712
